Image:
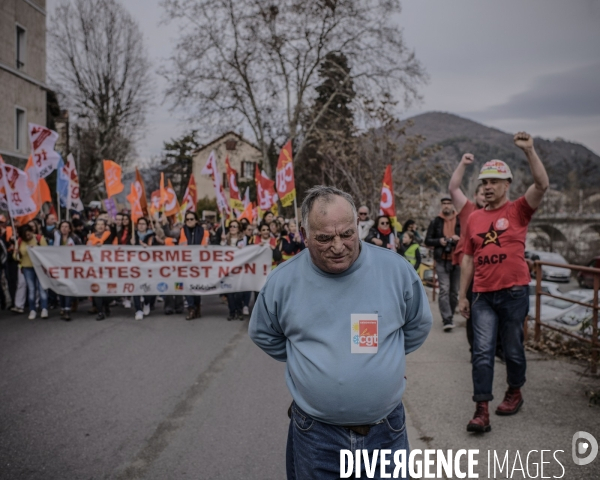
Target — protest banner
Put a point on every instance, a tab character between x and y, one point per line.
136	270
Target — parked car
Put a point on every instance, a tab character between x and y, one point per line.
586	280
547	287
577	320
552	274
555	308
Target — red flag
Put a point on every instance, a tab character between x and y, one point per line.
286	186
112	178
265	190
190	197
387	205
163	192
234	191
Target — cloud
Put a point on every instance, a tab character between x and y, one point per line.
573	93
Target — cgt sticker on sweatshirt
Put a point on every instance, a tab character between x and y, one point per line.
364	333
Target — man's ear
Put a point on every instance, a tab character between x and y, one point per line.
303	232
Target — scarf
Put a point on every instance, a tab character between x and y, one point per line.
387	231
449	225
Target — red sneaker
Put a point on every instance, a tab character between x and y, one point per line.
481	420
512	402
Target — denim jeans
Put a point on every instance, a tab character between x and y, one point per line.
33	285
234	301
65	303
501	313
193	301
313	447
449	280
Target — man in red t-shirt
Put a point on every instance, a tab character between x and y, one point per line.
494	258
465	208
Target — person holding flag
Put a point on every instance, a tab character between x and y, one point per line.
193	234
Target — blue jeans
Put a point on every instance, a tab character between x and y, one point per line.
234	301
313	447
501	312
33	284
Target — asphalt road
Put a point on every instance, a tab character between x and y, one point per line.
164	398
161	398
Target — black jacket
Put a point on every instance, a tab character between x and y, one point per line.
435	231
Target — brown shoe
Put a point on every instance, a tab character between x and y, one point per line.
191	314
512	402
481	420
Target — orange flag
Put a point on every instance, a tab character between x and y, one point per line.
40	192
387	205
190	197
163	192
154	202
112	178
286	186
172	206
248	213
142	189
134	200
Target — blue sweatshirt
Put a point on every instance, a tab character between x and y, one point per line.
304	316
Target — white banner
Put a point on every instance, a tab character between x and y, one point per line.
134	270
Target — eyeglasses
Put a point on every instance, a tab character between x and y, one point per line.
383	223
362	213
190	219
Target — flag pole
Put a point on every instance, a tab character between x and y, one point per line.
58	195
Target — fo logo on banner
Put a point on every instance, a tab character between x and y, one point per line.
588	446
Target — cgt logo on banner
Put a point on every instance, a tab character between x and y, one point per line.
79	270
587	444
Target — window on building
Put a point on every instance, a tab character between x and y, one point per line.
20	130
248	169
20	47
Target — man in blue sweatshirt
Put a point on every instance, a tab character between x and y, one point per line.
343	314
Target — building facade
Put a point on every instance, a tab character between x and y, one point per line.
243	156
22	75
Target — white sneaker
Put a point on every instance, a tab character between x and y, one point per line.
159	300
44	313
245	311
146	309
32	315
126	303
139	315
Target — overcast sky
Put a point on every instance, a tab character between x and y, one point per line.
513	65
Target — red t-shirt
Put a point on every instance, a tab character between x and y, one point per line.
463	216
496	240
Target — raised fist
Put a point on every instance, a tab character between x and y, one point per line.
467	158
523	140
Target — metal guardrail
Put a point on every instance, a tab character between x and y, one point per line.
593	341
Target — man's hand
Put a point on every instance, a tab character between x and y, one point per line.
443	241
467	159
524	141
464	308
456	238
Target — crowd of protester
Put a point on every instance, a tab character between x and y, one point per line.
21	291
